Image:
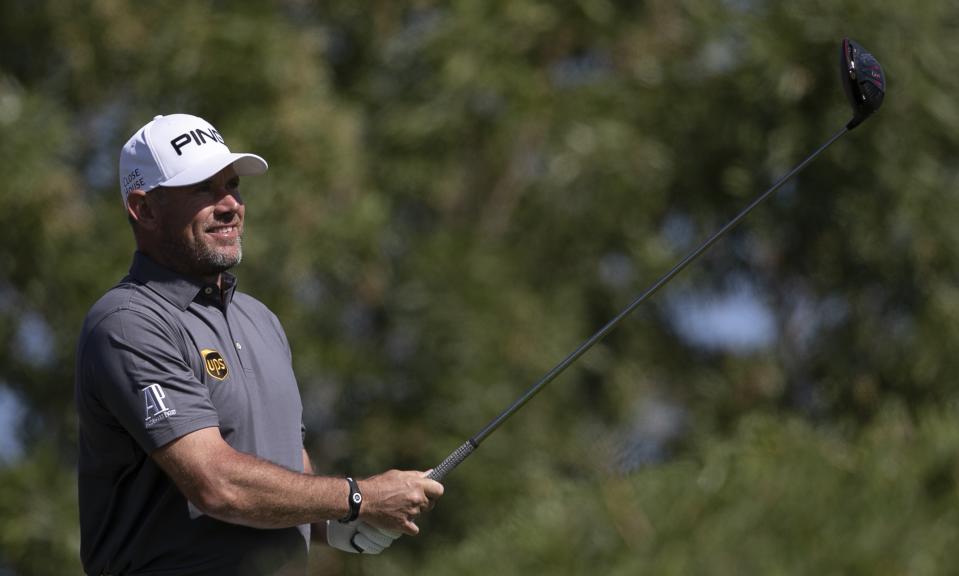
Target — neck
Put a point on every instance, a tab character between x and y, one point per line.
184	269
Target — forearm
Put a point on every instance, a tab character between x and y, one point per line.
318	530
262	495
242	489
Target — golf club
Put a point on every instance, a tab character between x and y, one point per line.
864	84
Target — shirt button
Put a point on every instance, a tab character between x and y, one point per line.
208	290
238	347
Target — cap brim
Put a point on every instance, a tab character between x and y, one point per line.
244	164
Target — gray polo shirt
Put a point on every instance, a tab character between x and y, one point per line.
161	356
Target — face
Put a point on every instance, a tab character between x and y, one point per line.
199	227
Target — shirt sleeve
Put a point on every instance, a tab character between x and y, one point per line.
140	375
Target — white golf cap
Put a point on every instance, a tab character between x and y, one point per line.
179	150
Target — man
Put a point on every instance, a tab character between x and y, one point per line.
191	438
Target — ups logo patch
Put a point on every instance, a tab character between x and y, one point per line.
214	363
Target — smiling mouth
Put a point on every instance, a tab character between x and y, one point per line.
224	231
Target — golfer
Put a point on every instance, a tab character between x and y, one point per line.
191	456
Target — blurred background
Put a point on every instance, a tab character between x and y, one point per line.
459	194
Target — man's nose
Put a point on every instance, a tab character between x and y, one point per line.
228	200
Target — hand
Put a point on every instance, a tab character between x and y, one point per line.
358	537
394	499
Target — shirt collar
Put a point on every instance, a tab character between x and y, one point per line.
179	289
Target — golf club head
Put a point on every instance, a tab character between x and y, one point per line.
862	80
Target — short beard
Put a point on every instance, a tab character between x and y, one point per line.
217	261
198	259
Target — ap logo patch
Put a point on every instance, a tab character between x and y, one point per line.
214	363
155	404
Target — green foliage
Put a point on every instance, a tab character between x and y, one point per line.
39	531
459	193
780	496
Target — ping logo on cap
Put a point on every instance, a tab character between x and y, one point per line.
197	136
214	363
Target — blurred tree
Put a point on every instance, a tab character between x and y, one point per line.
777	497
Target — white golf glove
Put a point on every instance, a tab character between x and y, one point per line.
358	536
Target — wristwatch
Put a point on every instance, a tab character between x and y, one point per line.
356	498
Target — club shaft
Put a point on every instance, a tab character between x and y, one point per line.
461	453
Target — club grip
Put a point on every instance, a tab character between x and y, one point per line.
452	461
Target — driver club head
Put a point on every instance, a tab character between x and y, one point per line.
862	80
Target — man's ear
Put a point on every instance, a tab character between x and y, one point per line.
141	210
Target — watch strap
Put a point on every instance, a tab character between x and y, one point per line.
355	499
